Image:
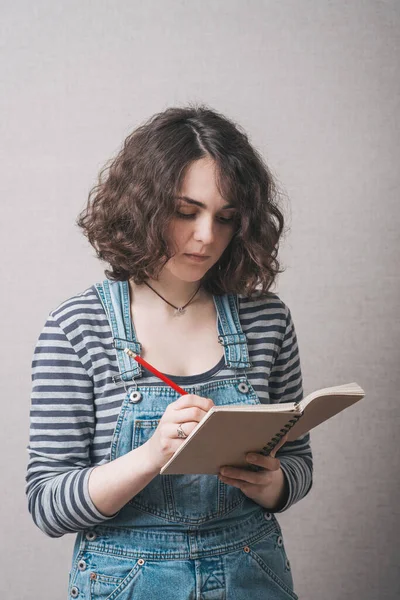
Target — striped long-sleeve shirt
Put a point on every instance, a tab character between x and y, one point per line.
75	403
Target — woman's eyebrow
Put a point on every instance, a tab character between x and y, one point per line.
201	204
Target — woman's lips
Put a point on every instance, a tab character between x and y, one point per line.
197	258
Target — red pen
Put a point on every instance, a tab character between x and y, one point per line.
153	370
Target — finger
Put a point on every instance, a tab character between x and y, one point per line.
187	428
189	400
230	481
243	486
193	413
278	446
266	462
257	478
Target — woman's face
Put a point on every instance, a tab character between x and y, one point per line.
203	223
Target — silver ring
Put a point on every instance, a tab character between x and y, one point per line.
181	433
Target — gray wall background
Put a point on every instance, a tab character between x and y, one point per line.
316	85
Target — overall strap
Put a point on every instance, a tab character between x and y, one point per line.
114	296
230	332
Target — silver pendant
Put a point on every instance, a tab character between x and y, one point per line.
179	311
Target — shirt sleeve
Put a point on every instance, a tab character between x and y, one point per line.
285	385
62	422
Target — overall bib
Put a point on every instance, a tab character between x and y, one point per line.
183	537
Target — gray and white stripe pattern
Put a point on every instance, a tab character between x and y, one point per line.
75	403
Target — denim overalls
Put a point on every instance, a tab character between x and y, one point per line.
183	536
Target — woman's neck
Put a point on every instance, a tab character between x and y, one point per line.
177	292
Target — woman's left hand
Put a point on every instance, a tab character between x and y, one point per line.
257	484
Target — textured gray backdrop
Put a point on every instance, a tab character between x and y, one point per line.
316	85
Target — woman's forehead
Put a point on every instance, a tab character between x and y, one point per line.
194	202
200	185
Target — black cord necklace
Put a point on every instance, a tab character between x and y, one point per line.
179	310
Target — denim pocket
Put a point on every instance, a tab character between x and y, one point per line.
269	556
260	569
110	577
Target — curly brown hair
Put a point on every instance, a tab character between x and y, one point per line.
129	209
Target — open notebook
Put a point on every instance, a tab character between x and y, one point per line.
227	433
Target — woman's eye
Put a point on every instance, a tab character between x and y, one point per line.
185	215
192	215
226	220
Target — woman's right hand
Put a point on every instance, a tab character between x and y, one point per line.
187	411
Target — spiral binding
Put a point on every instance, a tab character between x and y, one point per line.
277	437
281	433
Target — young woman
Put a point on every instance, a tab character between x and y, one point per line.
187	218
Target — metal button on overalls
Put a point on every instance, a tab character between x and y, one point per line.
91	536
135	397
82	565
243	387
267	516
74	592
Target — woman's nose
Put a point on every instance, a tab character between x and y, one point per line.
204	231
